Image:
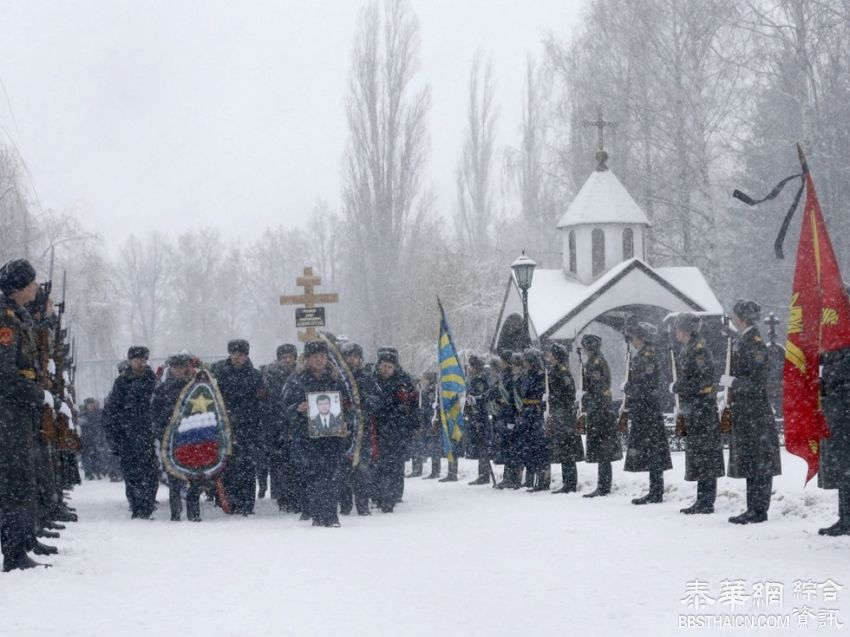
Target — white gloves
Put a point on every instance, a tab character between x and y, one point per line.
434	405
511	426
470	400
579	395
623	386
51	366
48	399
726	380
546	397
64	409
671	388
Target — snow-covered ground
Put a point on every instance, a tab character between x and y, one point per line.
452	560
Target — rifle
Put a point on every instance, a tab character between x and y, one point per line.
47	429
581	416
67	438
623	418
680	418
726	414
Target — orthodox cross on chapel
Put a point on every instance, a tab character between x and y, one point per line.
310	316
599	125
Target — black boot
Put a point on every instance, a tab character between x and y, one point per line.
569	474
42	549
21	562
544	480
842	527
452	476
656	489
46	534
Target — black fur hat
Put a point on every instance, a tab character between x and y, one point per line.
16	275
138	351
239	346
748	310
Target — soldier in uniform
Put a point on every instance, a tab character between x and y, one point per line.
244	394
429	423
754	439
603	442
392	402
535	451
695	387
321	457
127	415
834	470
355	481
566	440
162	408
648	449
21	399
503	400
277	436
478	419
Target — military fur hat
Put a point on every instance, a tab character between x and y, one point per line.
748	310
516	358
239	346
641	330
533	356
506	355
181	359
16	275
352	349
560	352
138	351
591	342
688	323
286	348
388	355
475	362
315	347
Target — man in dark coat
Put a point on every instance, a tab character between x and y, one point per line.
477	419
392	401
277	437
754	439
127	416
162	408
95	448
834	472
429	419
355	482
566	440
321	457
603	440
697	402
648	449
21	400
504	404
535	451
244	395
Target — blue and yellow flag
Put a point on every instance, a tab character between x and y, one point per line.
451	384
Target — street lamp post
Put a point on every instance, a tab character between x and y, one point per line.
523	269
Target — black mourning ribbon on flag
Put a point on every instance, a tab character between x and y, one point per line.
780	238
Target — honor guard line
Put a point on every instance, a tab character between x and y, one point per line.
309	300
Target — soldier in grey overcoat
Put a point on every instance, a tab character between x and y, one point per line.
754	439
696	391
834	470
647	448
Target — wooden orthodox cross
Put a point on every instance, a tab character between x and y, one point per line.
310	316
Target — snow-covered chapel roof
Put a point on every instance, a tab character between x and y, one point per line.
603	199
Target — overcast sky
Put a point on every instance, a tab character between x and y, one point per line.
173	115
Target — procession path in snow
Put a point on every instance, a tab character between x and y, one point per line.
452	560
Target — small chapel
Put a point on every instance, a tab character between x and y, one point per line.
605	277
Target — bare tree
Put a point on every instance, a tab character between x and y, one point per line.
383	199
144	276
475	213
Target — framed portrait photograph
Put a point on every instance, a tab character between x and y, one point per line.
324	414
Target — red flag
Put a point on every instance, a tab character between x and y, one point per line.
819	322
